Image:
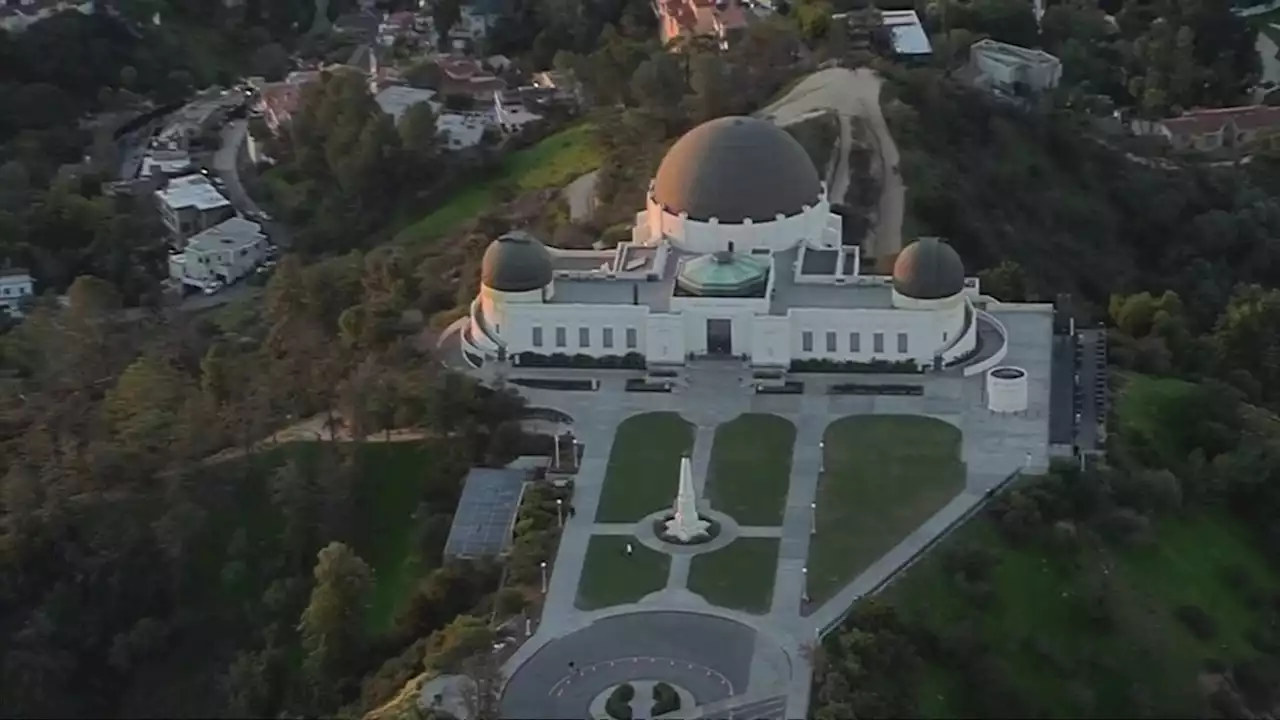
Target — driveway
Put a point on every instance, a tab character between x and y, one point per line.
581	196
226	163
853	93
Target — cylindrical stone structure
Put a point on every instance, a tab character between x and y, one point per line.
1007	389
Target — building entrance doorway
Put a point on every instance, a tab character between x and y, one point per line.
719	337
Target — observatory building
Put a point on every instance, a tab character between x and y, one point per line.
736	253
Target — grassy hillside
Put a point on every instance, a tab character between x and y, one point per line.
1122	592
392	504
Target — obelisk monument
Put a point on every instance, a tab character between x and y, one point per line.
686	526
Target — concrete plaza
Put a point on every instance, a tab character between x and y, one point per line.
734	663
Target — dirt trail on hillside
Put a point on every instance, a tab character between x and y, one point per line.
312	430
852	93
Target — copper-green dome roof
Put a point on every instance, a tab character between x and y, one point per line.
724	274
516	262
735	168
928	269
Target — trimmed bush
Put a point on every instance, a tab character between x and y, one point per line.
853	366
553	384
1199	622
630	361
665	699
860	389
618	706
788	388
642	385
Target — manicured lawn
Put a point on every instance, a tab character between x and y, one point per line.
738	576
750	468
609	577
644	466
553	162
1035	619
884	476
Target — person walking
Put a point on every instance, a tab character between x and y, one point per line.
629	549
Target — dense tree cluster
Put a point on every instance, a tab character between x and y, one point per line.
111	521
1156	57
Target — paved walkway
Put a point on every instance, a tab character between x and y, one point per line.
779	677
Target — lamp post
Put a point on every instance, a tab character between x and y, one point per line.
544	577
560	511
822	456
813	518
804	592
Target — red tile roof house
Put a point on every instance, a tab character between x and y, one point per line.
1221	127
464	76
720	19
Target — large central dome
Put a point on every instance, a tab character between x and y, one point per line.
735	168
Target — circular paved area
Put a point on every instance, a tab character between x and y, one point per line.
707	655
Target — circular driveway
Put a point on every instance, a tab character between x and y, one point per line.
708	656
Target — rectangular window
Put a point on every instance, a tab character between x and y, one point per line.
855	342
831	342
560	337
606	337
877	343
537	336
806	341
902	343
632	342
584	337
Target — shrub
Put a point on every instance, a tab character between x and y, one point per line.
509	601
821	365
618	706
665	699
630	361
1199	622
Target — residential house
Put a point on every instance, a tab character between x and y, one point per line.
16	286
510	114
466	76
722	20
189	205
223	254
1211	129
458	130
395	100
279	100
18	15
1004	67
907	36
395	26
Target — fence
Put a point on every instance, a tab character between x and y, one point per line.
965	517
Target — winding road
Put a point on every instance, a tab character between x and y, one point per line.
850	94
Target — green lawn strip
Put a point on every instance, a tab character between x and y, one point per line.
609	577
644	466
1035	620
554	162
750	469
738	576
884	476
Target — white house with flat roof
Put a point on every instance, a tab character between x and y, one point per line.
1004	67
736	254
191	204
223	253
16	286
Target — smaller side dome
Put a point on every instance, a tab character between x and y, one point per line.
928	269
516	262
